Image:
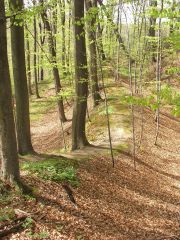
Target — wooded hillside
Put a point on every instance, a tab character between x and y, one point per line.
89	119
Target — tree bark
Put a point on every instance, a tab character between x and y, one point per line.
35	55
93	54
9	157
79	139
63	19
20	83
28	57
42	41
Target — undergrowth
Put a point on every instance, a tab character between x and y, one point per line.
58	170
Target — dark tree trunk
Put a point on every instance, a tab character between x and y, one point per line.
9	157
52	48
93	55
79	139
20	82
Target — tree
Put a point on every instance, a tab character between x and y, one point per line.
115	30
79	139
52	50
63	20
28	60
152	28
92	51
172	20
20	81
9	157
42	41
35	54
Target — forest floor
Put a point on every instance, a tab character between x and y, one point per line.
120	203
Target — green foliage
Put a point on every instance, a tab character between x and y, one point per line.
57	170
41	235
28	223
167	97
173	70
175	39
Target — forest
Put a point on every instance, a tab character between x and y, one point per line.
90	119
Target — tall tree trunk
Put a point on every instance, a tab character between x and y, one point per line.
35	55
52	48
9	157
68	52
20	82
42	41
79	139
28	57
93	54
63	19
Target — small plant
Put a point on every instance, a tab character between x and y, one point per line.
41	235
57	170
28	223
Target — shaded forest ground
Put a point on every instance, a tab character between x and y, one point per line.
120	203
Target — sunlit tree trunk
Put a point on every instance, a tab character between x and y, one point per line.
28	61
93	54
42	41
35	55
63	19
9	158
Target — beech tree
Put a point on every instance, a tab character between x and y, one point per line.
52	50
92	51
79	139
20	81
9	157
28	61
35	54
63	20
42	41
